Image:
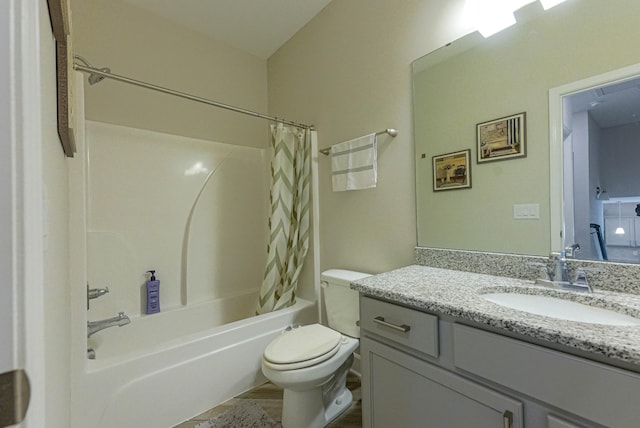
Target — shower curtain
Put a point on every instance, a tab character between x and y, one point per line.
289	219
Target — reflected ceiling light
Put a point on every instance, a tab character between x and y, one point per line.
548	4
490	17
619	229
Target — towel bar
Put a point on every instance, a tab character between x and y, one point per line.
391	131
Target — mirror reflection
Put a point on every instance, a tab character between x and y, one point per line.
601	131
473	81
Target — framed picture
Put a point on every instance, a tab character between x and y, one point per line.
452	171
501	139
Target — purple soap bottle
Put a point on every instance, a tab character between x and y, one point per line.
153	293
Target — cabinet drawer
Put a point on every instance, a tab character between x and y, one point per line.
408	327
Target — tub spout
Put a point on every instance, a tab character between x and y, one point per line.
96	326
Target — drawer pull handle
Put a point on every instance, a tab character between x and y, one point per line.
403	328
507	419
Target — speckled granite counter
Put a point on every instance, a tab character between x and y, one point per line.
459	294
622	277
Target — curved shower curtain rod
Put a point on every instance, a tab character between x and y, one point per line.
96	74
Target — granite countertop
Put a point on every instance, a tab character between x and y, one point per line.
458	294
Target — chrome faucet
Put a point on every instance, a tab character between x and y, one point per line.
558	275
96	326
571	250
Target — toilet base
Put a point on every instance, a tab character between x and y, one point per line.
317	407
339	405
306	408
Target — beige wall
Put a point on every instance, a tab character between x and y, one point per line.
349	73
146	47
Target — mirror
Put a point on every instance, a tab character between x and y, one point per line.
474	81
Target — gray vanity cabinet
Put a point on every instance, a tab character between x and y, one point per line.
401	389
424	371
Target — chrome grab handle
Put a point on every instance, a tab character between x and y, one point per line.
94	293
507	419
403	328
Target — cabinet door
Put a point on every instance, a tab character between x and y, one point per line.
401	391
557	379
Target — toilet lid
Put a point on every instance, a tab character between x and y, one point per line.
303	344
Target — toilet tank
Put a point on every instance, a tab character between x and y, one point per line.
341	302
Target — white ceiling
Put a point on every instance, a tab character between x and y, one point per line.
258	27
611	105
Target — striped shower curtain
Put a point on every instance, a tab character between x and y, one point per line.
289	220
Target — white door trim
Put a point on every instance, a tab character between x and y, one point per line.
21	196
9	314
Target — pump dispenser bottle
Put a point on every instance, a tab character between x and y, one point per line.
153	293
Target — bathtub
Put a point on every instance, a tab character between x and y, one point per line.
168	367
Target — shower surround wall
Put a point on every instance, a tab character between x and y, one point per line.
134	195
144	190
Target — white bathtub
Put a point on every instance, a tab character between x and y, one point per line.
165	368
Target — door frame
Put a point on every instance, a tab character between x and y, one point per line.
21	201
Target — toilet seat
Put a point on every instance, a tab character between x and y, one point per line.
302	347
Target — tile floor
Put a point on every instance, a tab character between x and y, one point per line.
269	397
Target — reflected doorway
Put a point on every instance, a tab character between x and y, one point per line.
601	152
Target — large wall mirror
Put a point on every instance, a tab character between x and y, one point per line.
514	203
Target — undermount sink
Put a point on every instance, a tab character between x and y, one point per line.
560	308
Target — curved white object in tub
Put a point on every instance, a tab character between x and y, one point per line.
163	384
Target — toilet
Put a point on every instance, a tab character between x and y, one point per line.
311	362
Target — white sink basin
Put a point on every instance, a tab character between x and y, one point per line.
560	308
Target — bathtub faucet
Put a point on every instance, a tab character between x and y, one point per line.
96	326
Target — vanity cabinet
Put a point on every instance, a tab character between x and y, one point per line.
401	388
405	391
462	376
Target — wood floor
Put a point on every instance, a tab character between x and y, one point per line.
269	397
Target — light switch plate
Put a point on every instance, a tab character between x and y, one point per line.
526	211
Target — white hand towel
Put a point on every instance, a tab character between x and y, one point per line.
354	164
